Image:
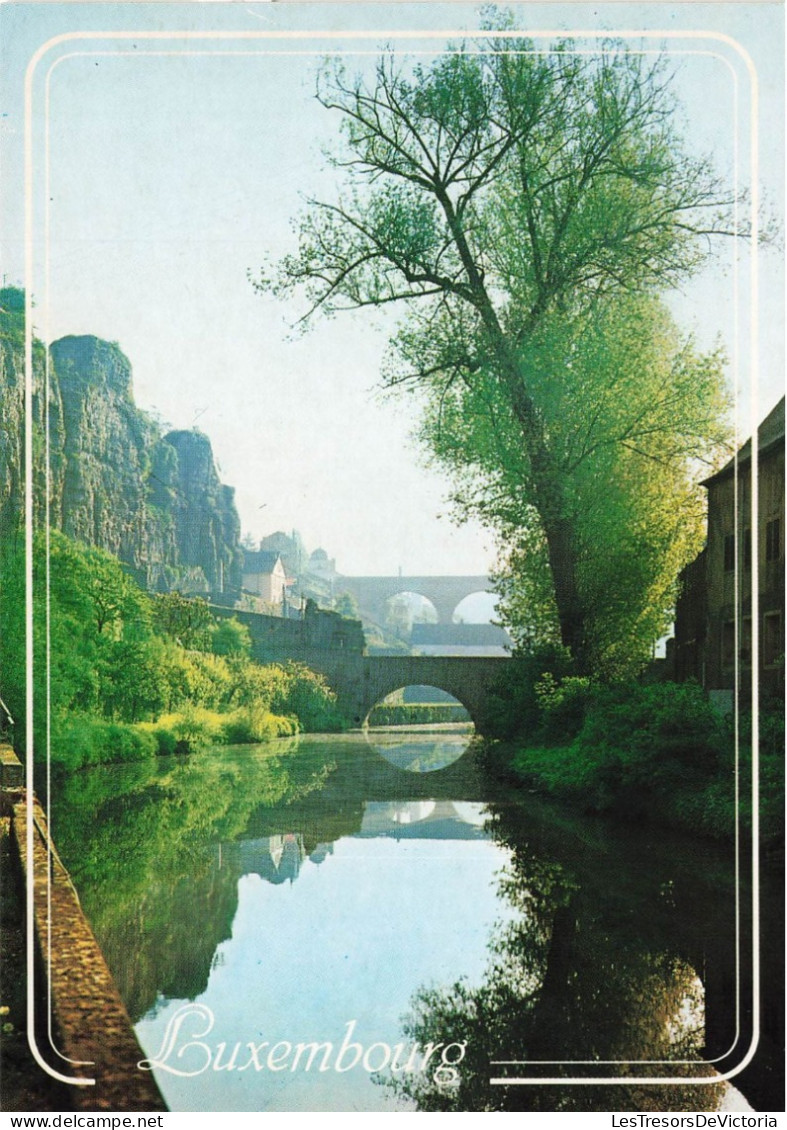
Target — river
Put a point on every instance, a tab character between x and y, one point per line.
309	925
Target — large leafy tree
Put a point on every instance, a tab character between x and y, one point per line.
492	193
636	420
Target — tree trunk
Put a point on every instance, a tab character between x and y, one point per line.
546	476
562	549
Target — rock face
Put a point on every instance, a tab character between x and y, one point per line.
205	523
111	479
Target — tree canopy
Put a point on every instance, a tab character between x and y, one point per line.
509	200
637	416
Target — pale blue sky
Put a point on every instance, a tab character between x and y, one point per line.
171	175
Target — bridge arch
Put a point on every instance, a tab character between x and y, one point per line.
407	746
468	679
371	593
404	608
477	607
422	694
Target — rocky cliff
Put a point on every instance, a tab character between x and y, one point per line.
109	476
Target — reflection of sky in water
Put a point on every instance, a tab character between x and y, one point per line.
419	754
351	939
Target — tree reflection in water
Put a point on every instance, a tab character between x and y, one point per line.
140	842
571	979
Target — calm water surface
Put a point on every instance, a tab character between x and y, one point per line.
288	923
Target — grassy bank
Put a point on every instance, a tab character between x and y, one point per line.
656	753
417	713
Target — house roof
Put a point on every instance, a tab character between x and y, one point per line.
260	560
770	434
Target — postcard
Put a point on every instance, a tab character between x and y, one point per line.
392	559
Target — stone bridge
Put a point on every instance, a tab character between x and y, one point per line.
328	643
360	682
445	593
467	678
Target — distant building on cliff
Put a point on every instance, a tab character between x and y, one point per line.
290	548
264	576
713	616
322	566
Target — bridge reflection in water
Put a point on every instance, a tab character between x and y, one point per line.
420	749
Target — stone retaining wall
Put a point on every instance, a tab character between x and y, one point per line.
91	1027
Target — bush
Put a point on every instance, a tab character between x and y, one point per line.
256	724
166	742
513	707
307	695
82	741
639	750
667	729
562	706
230	637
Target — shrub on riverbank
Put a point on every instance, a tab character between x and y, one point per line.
196	728
128	675
513	706
81	741
655	751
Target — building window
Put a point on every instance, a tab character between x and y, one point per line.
773	539
728	643
772	638
729	553
747	550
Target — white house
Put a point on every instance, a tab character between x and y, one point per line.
264	575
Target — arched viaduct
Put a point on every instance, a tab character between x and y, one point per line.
445	593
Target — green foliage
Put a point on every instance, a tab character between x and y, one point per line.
563	705
634	420
133	680
513	707
80	741
230	637
255	724
638	751
115	660
187	620
12	319
12	634
306	694
12	299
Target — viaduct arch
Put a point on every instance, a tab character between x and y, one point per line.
445	593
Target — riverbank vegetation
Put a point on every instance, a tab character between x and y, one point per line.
132	675
654	751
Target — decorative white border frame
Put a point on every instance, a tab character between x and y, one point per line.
31	105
